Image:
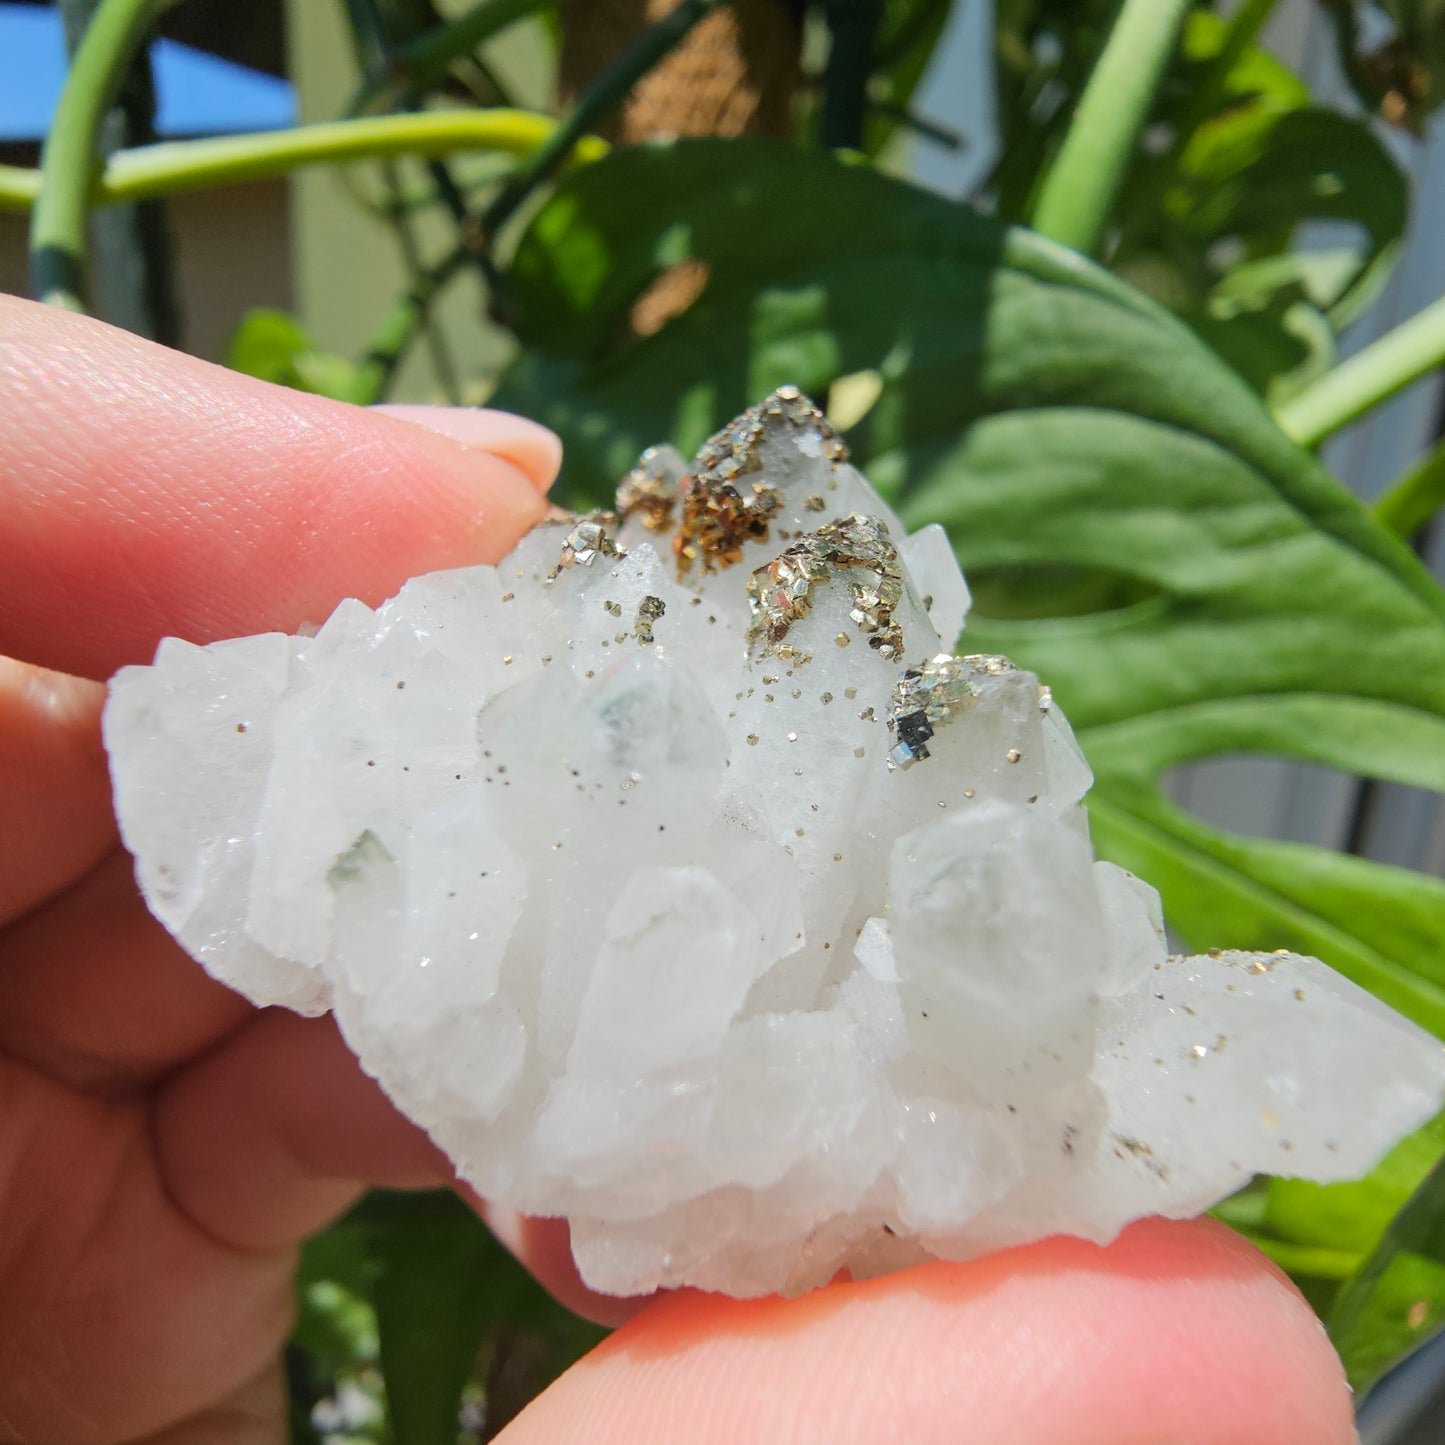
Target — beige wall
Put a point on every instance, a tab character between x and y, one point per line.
348	265
232	253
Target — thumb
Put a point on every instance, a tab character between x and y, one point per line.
143	492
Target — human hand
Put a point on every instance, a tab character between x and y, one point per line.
164	1146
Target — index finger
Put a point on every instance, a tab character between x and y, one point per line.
143	492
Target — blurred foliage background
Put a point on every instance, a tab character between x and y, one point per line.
1108	372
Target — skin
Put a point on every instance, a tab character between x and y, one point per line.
164	1146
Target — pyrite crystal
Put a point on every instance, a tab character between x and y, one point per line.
680	879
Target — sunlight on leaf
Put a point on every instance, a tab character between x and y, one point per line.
1398	1298
1053	419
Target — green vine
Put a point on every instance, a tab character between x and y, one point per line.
1079	192
1412	350
1415	498
174	167
19	186
419	65
400	326
67	163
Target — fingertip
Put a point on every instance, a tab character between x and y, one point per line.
1177	1332
530	447
143	492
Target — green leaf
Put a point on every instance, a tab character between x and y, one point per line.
1210	223
326	374
1256	74
1263	324
1408	503
333	1345
1326	1234
1353	1216
451	1308
1213	242
336	1324
266	343
1252	175
275	347
1052	418
435	1295
1398	1298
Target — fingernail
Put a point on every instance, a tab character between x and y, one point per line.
532	449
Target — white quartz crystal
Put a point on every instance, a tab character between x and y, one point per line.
679	881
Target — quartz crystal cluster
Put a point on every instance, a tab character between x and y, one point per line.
681	880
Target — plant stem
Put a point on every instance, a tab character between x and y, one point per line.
1210	96
368	36
606	93
482	80
1415	498
915	25
417	66
917	124
852	28
401	221
1410	351
19	186
132	258
194	165
484	170
190	165
1087	174
1241	32
68	161
378	37
401	324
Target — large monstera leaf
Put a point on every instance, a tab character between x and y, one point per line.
1141	534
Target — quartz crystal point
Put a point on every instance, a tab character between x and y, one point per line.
680	879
